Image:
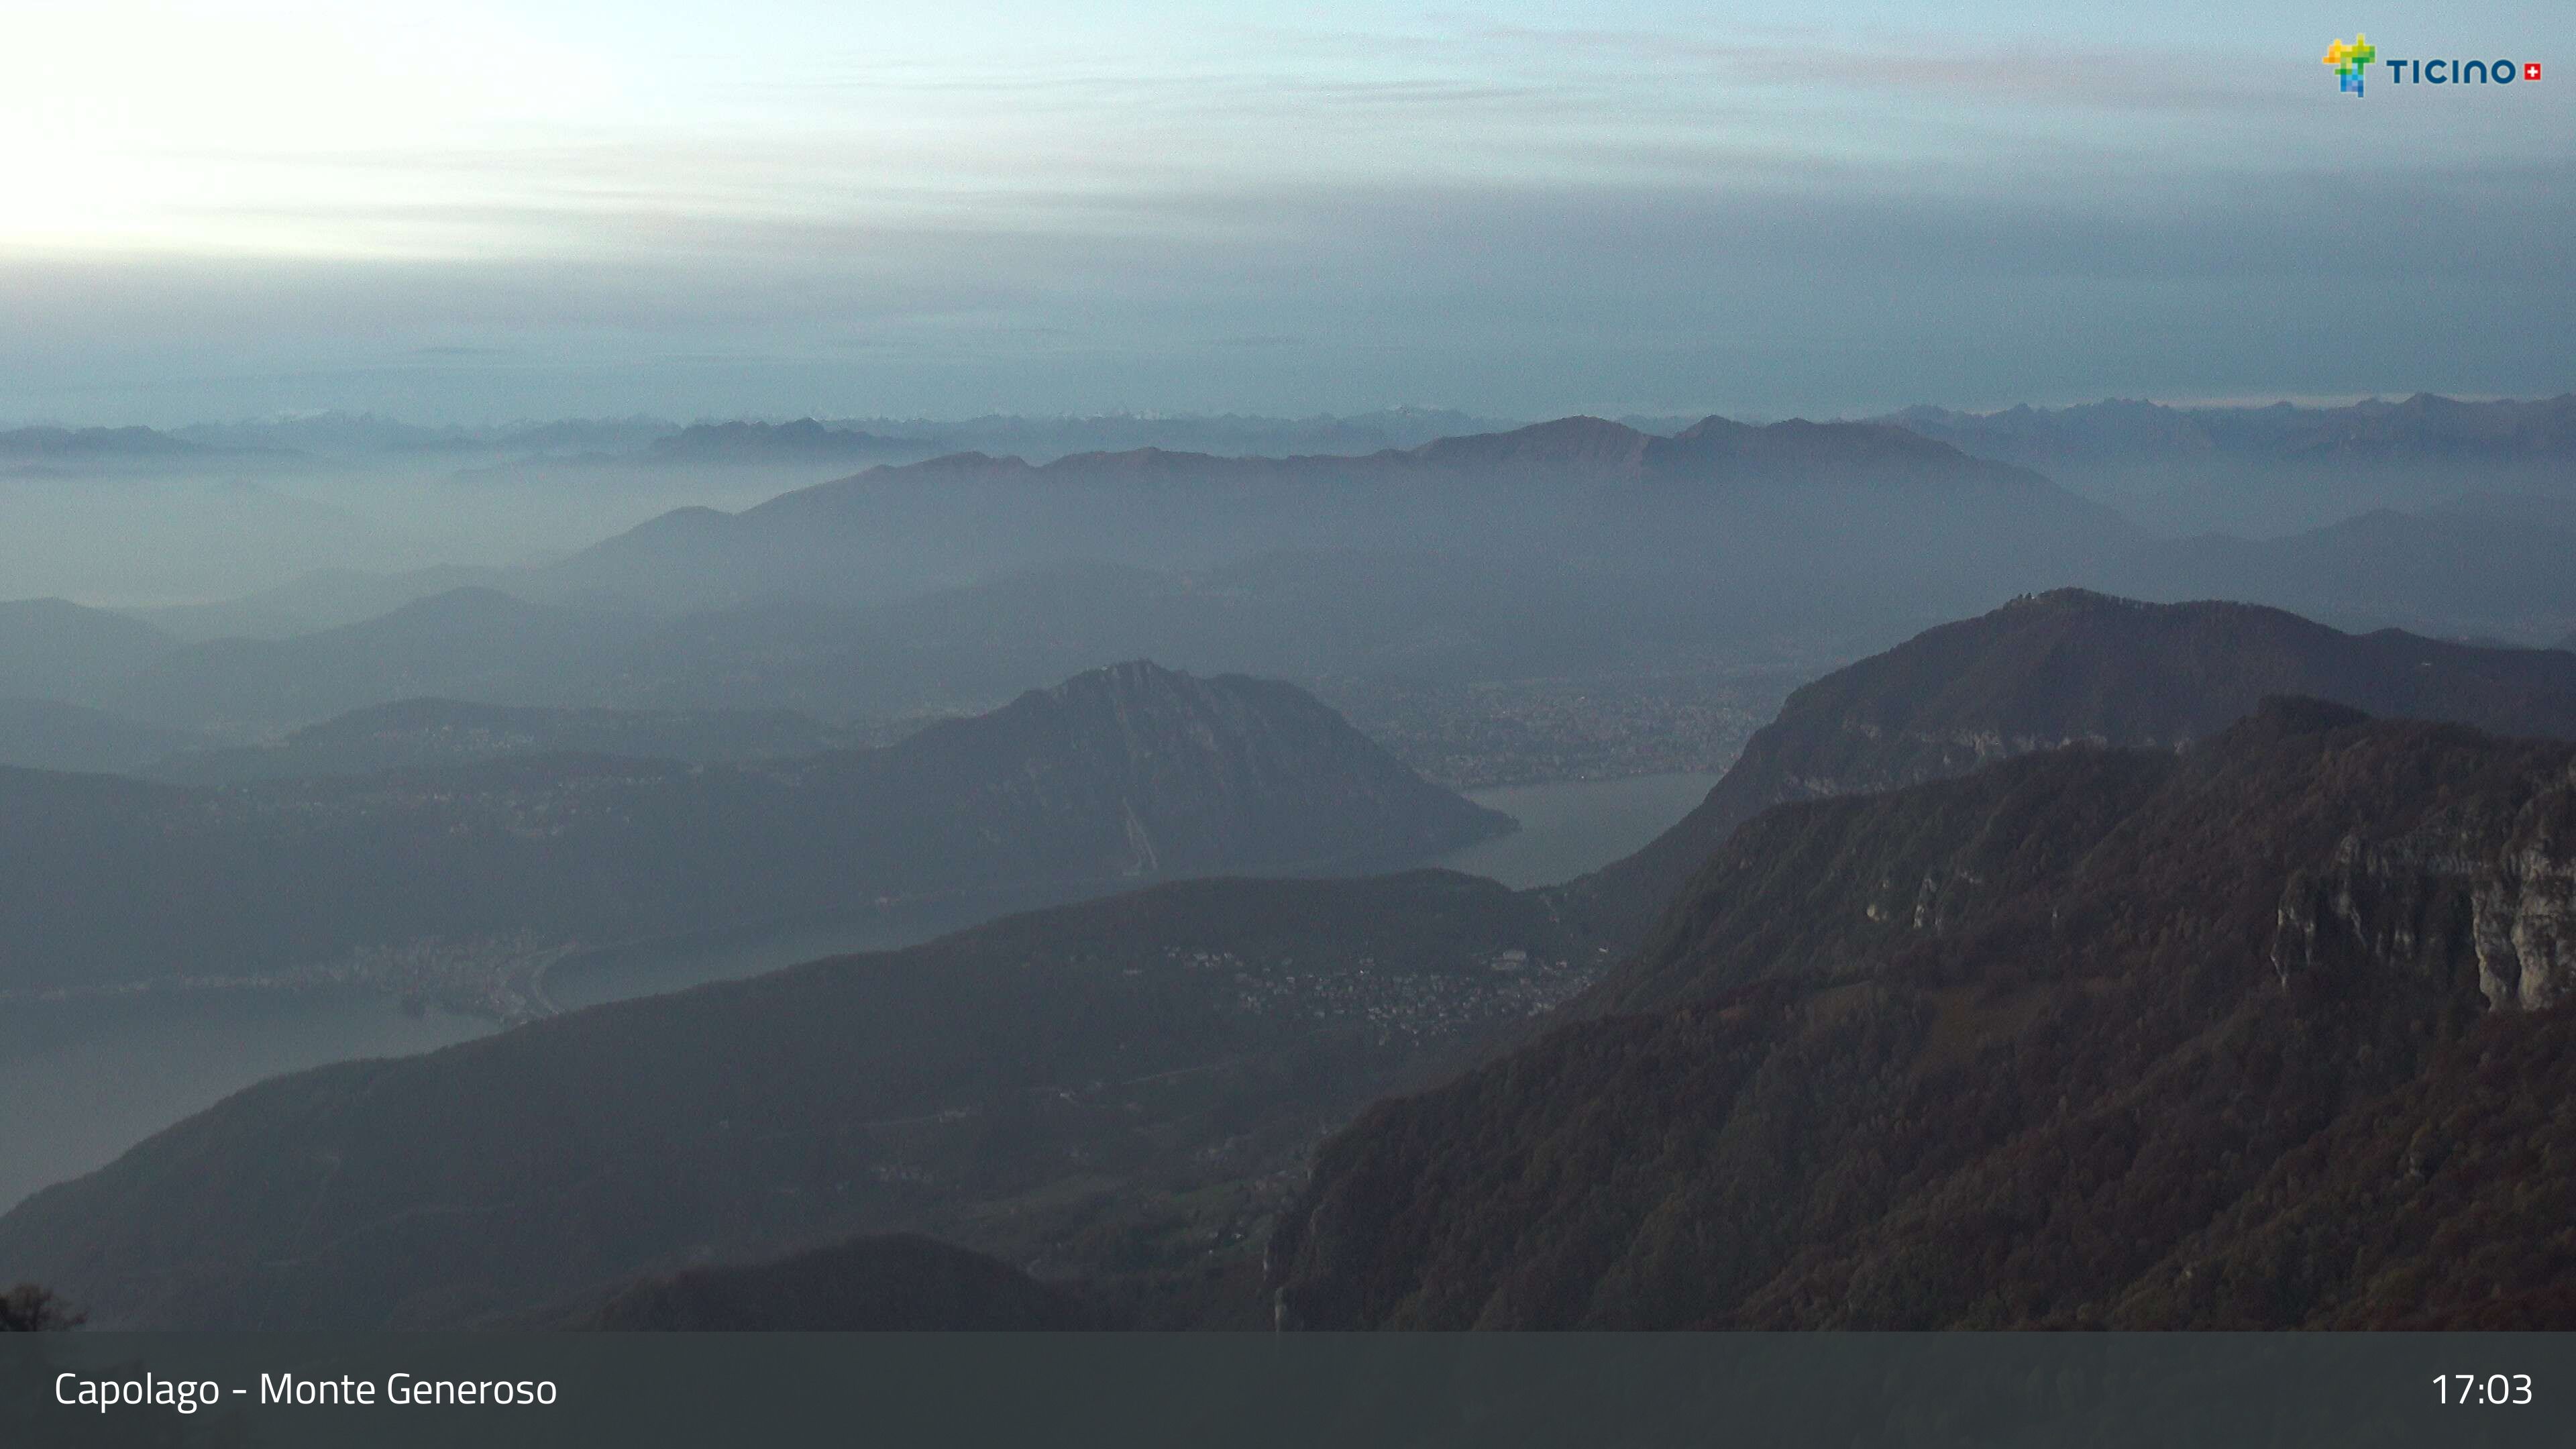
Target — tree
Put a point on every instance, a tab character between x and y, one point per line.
29	1308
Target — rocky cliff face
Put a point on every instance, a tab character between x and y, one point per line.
2497	888
2268	1032
2065	668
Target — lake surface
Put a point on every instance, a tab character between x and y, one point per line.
82	1081
1576	827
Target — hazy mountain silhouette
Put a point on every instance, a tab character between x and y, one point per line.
2424	428
1438	617
54	445
417	734
1224	434
1119	776
963	515
316	601
333	433
2444	570
1578	546
767	444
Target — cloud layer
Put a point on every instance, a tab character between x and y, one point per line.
501	215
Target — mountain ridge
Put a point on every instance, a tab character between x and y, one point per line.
2241	1037
1507	493
452	882
2061	667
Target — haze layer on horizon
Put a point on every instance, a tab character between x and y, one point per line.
471	212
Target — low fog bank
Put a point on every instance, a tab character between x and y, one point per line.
149	538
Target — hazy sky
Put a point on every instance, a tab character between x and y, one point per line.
471	211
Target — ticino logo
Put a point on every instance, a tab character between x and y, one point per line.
2351	60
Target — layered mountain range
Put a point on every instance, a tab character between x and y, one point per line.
1580	547
2421	428
2274	469
1574	486
1120	775
803	441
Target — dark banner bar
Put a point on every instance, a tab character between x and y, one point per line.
906	1390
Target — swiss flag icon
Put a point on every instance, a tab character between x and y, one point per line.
2531	70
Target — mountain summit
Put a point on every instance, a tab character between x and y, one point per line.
2063	667
1581	484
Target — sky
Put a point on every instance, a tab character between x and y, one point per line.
475	212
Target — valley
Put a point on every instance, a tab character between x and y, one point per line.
78	1099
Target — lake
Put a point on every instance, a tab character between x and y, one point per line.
1576	827
82	1081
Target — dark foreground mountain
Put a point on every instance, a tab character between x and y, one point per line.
416	734
2062	668
1859	523
461	885
897	1283
1447	620
2272	1032
36	447
1127	1087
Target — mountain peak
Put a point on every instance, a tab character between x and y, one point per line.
2074	599
1129	679
2069	666
1580	441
